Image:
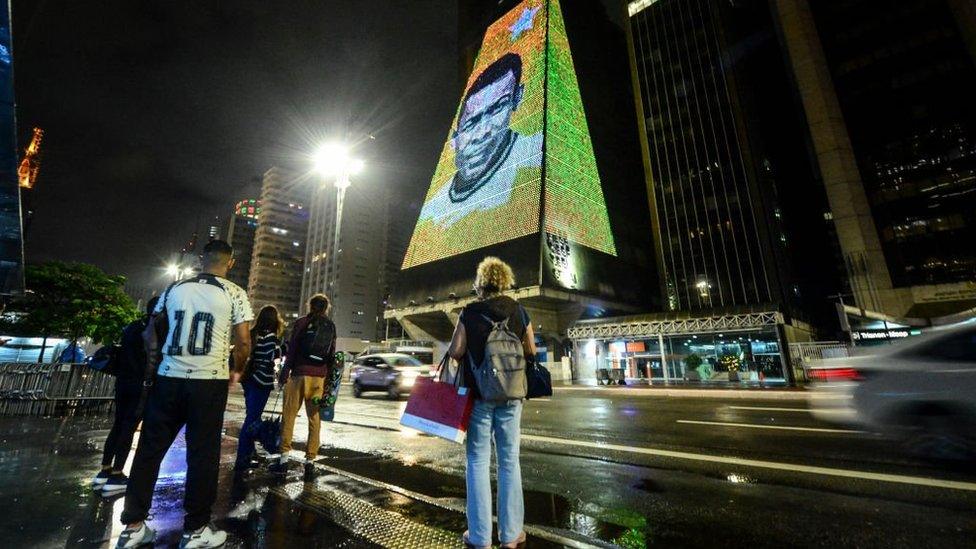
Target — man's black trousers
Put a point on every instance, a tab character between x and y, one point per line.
119	441
199	405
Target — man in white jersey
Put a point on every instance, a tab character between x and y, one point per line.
204	313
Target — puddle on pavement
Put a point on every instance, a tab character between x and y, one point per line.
541	508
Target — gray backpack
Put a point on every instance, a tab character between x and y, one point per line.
501	376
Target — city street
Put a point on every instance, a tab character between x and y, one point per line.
683	471
600	465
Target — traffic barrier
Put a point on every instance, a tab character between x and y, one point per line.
53	389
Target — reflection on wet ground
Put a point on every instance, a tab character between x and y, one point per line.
46	465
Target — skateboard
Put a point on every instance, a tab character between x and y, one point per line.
327	403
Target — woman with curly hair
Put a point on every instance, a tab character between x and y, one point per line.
500	421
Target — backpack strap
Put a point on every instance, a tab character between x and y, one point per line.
502	323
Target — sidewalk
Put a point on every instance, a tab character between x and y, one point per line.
46	465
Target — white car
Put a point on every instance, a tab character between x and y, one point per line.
392	373
922	391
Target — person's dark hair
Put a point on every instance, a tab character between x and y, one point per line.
151	304
268	321
318	305
217	249
508	63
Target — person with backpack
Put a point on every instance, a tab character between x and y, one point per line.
130	370
311	355
259	378
492	339
192	328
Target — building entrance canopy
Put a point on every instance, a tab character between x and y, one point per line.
736	348
634	327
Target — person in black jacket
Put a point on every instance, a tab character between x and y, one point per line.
130	375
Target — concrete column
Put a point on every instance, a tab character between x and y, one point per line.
965	13
664	358
855	226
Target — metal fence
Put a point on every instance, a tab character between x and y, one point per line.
53	389
804	354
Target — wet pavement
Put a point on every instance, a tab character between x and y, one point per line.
598	468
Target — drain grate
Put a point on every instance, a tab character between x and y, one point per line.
382	527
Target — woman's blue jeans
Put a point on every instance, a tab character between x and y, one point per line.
500	421
255	399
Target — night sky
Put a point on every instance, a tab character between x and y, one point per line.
161	114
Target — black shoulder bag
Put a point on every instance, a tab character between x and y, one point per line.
538	377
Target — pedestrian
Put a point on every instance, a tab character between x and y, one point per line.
310	358
259	378
203	314
491	420
129	375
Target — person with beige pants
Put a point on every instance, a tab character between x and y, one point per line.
310	358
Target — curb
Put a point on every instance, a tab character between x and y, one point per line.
753	394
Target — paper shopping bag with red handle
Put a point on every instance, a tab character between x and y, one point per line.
438	408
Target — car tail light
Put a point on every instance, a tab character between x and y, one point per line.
835	374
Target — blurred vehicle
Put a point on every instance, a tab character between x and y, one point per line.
922	391
393	373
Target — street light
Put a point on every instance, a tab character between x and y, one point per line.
334	160
174	270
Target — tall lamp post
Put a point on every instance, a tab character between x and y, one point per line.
333	160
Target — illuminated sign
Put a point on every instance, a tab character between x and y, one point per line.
522	97
870	335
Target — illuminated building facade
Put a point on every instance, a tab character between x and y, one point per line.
240	235
554	189
278	256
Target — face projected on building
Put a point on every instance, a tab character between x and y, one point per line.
487	188
483	139
489	155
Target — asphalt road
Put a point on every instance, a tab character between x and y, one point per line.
632	467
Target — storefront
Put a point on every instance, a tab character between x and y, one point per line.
740	349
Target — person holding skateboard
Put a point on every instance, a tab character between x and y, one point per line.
308	367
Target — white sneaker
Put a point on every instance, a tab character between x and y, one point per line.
100	479
207	536
138	537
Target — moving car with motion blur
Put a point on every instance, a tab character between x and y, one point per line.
921	391
392	373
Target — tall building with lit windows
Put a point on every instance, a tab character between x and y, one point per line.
740	220
277	263
360	265
888	95
240	235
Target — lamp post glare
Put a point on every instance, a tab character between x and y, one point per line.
334	160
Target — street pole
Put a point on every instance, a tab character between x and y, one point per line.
341	184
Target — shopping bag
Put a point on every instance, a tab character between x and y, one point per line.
439	408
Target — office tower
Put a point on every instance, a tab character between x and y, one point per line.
278	258
358	267
240	235
887	90
738	215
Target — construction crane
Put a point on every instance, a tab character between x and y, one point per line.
27	171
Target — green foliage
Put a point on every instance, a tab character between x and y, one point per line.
692	361
633	538
72	300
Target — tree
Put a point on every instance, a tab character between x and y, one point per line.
71	300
